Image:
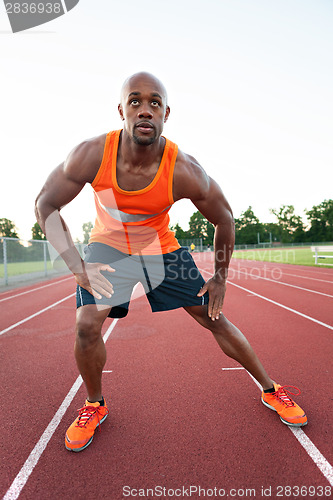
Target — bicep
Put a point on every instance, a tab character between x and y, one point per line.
58	190
213	204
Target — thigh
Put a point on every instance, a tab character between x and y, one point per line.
199	313
181	283
123	279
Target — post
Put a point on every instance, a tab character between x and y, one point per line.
5	260
316	255
258	238
45	257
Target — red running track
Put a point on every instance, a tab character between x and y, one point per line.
177	417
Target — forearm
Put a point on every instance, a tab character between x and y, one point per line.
58	235
224	240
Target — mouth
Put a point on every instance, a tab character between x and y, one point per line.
144	127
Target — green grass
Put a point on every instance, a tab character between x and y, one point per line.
15	268
292	255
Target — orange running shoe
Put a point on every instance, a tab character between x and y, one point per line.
279	401
80	434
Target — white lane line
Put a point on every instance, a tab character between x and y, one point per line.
236	368
311	269
284	307
286	284
323	465
34	289
36	314
307	278
278	304
289	274
22	477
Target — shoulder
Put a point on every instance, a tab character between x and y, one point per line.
190	179
84	160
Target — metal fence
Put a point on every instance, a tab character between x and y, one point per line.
280	245
194	244
22	260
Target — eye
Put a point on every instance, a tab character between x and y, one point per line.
135	102
155	104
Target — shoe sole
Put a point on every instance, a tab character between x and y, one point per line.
76	450
282	420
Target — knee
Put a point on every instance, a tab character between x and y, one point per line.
220	327
88	329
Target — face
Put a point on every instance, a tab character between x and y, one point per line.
143	108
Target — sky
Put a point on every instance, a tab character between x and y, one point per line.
249	85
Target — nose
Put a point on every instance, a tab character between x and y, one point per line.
145	112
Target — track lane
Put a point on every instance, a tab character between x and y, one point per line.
21	306
37	363
302	272
24	290
294	351
131	383
278	274
300	299
175	419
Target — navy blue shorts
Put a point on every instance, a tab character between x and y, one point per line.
169	281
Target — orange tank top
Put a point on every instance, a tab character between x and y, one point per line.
134	222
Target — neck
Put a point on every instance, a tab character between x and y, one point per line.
137	154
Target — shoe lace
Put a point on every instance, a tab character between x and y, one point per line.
86	413
282	395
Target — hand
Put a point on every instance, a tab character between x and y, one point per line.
216	287
93	281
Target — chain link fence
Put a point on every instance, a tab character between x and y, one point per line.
22	260
192	244
280	245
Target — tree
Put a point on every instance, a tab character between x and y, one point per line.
15	251
321	222
247	228
8	229
268	229
200	227
179	232
37	233
291	227
87	227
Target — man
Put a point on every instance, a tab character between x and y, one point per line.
137	175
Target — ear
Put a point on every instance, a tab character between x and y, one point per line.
120	109
167	113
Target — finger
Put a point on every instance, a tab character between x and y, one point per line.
202	291
97	291
92	291
105	288
214	310
99	283
106	267
217	310
210	307
104	283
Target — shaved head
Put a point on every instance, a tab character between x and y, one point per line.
139	77
143	108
